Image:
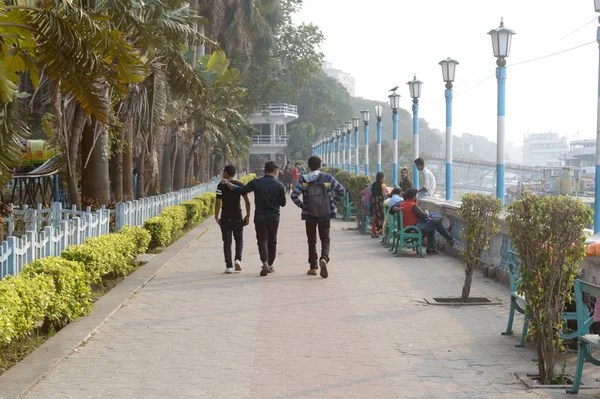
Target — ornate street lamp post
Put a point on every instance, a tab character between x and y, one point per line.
448	72
415	87
379	114
355	124
349	141
395	104
366	115
501	40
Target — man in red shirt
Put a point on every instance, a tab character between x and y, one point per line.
295	175
413	215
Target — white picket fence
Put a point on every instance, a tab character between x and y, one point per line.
49	231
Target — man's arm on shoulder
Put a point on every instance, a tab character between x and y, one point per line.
298	189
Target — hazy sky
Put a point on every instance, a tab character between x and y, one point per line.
383	42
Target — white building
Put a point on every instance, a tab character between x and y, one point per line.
582	154
544	149
270	142
343	77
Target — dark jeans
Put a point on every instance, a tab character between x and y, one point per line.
233	227
311	234
266	236
430	228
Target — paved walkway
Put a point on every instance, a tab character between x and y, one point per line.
365	332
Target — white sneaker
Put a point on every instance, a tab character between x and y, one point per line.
229	270
238	265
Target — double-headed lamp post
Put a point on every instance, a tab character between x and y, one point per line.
349	141
448	72
501	39
356	124
331	139
597	179
366	116
395	104
338	139
415	87
379	114
342	135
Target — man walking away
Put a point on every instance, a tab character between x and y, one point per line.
269	196
230	220
318	208
428	188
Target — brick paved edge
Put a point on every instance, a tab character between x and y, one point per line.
15	382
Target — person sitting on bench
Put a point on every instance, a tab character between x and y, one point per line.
413	215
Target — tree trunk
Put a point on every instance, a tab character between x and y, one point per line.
73	164
468	280
95	180
179	170
141	193
189	162
541	360
128	162
166	175
116	169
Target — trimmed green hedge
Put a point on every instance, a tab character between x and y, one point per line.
73	293
58	290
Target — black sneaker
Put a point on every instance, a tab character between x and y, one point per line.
265	269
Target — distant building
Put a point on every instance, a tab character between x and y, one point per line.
343	77
544	149
582	154
270	142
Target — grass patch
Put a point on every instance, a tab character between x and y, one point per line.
16	351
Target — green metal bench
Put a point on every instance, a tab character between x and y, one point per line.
409	237
585	340
515	306
387	238
349	208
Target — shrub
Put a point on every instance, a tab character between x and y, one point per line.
333	171
208	199
356	184
548	235
160	229
247	178
23	303
73	293
140	236
344	179
480	215
178	215
104	255
194	211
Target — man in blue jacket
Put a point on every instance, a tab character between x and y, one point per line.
335	193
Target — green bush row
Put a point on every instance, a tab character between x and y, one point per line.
54	291
164	227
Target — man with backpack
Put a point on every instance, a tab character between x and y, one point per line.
320	192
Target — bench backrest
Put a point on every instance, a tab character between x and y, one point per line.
513	267
584	319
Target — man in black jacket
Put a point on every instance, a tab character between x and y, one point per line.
269	196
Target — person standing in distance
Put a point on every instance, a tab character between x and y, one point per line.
269	196
227	206
428	188
320	192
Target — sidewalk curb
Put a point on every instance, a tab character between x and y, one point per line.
15	382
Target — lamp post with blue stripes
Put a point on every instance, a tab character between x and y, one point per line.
379	114
501	39
349	142
356	124
332	152
395	104
448	72
415	92
597	179
342	135
365	114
